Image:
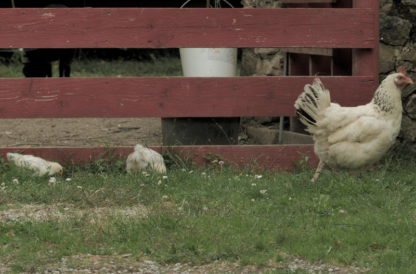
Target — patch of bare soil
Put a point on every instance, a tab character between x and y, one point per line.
60	212
80	132
126	263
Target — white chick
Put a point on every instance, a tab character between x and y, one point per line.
143	158
39	166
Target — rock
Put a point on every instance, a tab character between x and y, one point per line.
412	11
262	135
248	62
407	64
410	106
270	66
394	30
410	89
408	130
265	52
387	58
408	3
267	136
386	5
408	53
261	3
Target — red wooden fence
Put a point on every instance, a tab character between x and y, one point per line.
355	28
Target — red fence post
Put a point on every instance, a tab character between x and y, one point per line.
365	61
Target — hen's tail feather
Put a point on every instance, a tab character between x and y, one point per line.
311	102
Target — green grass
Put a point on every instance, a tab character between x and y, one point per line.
166	66
204	215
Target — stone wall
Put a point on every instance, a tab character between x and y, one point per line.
397	48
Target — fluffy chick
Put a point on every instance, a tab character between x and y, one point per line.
143	158
39	166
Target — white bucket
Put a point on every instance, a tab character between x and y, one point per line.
209	62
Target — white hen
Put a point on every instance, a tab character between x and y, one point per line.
143	158
38	165
352	137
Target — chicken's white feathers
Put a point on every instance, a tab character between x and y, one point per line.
39	166
311	103
143	158
351	137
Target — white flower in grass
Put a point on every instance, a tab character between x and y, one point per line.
145	174
52	181
203	174
191	171
253	200
68	179
159	182
165	177
253	184
205	208
263	191
164	197
258	176
15	181
221	163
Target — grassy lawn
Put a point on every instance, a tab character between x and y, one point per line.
205	215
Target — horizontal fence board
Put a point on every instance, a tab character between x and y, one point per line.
169	96
267	157
311	51
306	1
172	28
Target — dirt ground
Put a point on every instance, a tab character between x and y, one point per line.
80	132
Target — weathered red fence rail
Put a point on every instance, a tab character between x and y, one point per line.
355	28
167	97
172	28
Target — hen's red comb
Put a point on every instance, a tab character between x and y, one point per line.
403	70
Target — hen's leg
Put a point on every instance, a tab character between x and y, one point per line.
318	171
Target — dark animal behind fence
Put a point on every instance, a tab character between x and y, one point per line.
39	62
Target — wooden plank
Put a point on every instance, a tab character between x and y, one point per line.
269	157
269	136
168	96
311	51
366	62
306	1
161	28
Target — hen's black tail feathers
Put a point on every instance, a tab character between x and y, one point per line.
311	102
